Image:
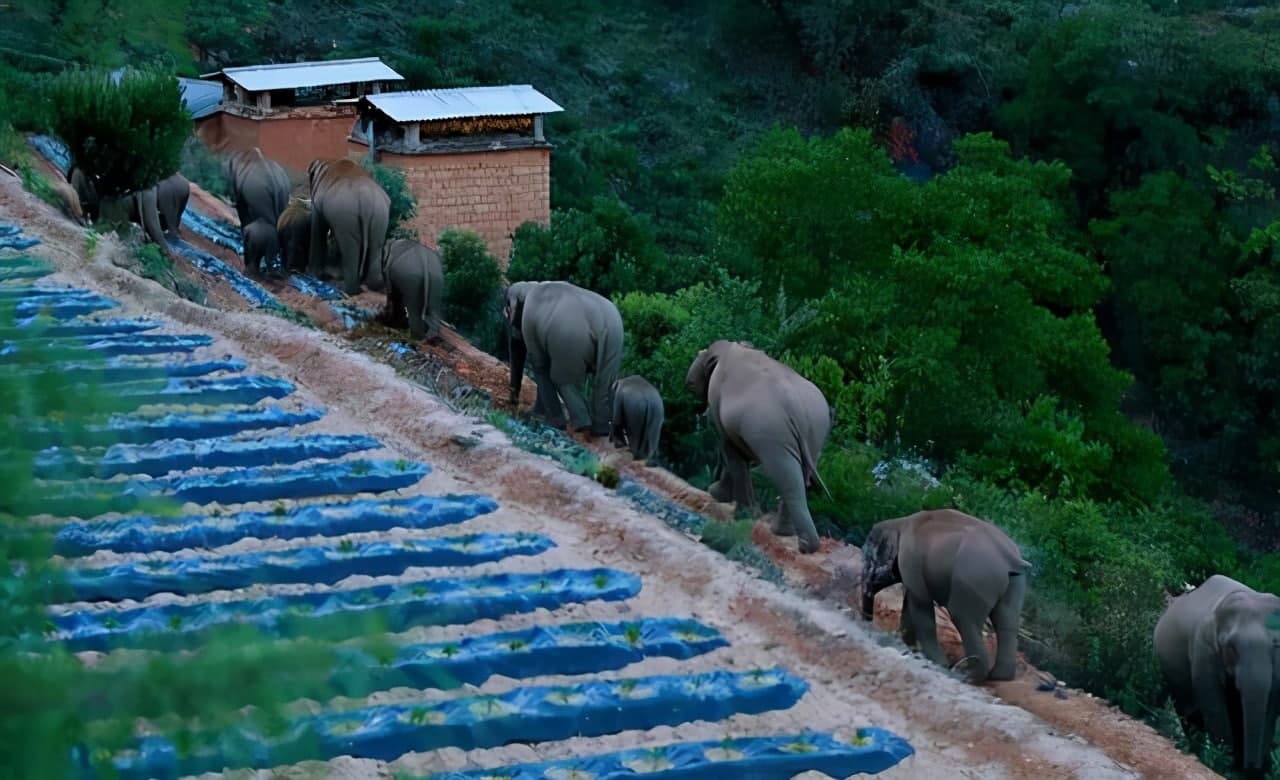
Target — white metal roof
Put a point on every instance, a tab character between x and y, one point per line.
296	75
425	105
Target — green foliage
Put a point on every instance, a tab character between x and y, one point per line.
203	167
128	136
103	33
228	32
473	283
403	203
608	248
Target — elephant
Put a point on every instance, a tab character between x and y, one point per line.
294	229
1218	647
766	414
414	280
638	415
565	333
259	186
86	190
346	200
68	200
965	564
260	244
172	195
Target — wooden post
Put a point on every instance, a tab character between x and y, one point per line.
537	128
412	134
264	101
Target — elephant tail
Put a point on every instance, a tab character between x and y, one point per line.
809	467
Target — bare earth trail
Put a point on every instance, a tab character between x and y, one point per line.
957	730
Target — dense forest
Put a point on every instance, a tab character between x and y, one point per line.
1029	250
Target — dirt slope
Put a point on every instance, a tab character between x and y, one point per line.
957	730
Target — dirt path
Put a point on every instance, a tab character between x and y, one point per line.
956	729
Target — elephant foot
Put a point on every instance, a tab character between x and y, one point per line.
720	493
809	546
968	668
1001	673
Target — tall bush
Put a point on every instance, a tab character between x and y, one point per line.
403	203
127	135
472	283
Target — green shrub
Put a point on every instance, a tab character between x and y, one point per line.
403	203
473	283
128	135
203	167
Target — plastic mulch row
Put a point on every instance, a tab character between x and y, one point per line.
91	498
140	428
871	751
533	714
324	564
394	608
74	329
567	649
141	534
118	370
159	458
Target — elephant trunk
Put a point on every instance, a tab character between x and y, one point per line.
868	602
519	351
1254	680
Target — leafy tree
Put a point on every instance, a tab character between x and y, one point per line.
105	33
403	203
127	135
228	32
473	280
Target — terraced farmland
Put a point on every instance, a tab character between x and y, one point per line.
514	653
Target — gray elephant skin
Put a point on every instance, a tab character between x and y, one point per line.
1218	647
565	333
766	414
172	195
414	278
963	563
346	201
68	201
294	230
259	186
86	190
260	244
638	415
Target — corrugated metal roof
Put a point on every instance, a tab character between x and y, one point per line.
296	75
425	105
201	98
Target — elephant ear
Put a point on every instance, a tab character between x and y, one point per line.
698	380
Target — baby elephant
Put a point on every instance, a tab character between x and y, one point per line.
261	243
637	416
965	564
415	282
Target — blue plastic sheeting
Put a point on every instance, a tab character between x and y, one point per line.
65	309
395	608
237	486
115	370
569	649
53	151
754	758
29	292
206	392
22	268
534	714
11	237
325	564
212	229
351	314
137	428
309	285
244	286
171	534
159	458
76	329
132	344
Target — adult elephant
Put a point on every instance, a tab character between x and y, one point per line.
415	286
294	230
172	195
259	186
86	190
965	564
1219	650
566	334
766	414
346	201
141	208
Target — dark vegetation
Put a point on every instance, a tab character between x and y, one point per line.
1027	249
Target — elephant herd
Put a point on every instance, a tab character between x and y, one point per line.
1218	645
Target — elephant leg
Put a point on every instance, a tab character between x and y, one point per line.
783	470
617	426
414	303
318	254
925	627
734	484
349	248
1006	618
906	626
547	403
579	415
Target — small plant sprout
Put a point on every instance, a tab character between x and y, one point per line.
346	546
516	645
175	622
278	510
450	651
860	738
800	746
627	686
110	623
543	585
402	465
653	760
418	716
360	467
420	590
632	634
600	581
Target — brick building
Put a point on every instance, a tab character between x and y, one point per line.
475	157
295	112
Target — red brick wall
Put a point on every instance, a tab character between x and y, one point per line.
293	139
490	193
